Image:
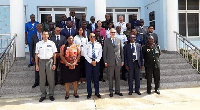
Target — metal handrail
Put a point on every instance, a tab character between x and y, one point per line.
188	51
7	59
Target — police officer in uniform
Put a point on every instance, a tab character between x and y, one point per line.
151	54
45	59
93	54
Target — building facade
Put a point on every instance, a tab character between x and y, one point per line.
166	15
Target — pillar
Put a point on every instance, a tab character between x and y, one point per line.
17	25
172	23
100	10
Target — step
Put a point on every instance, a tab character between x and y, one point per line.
172	61
175	66
169	56
173	72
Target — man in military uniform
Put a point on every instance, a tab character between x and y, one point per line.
151	53
45	25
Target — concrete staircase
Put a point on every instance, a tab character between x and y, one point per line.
175	73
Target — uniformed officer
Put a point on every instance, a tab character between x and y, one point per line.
93	54
151	53
45	59
30	29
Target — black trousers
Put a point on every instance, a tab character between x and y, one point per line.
82	64
102	66
155	72
58	78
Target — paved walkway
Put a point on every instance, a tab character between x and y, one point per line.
169	99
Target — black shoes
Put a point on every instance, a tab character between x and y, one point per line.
120	94
51	98
41	99
98	95
111	94
157	91
148	92
76	96
66	97
138	92
34	85
103	80
29	65
88	96
130	93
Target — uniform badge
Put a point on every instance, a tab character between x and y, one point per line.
148	50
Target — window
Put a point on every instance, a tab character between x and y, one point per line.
57	12
189	17
125	12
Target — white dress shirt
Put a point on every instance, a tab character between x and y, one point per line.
46	49
93	26
135	52
122	37
57	37
108	33
82	42
122	25
88	51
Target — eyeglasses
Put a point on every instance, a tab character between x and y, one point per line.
112	32
97	31
132	37
133	31
92	36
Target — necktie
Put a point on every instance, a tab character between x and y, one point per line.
69	31
133	48
113	42
40	38
73	22
93	51
58	40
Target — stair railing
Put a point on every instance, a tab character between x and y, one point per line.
188	51
7	58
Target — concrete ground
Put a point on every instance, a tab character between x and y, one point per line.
169	99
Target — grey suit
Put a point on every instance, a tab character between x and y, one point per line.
34	40
113	56
146	36
143	30
62	41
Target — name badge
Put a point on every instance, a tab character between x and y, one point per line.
48	45
134	53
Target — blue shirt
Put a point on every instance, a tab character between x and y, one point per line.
30	29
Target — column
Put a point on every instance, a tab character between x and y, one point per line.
100	10
172	24
17	25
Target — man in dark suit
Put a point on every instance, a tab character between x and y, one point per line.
113	59
59	40
92	26
74	20
133	62
150	33
134	21
86	31
107	22
68	30
151	53
83	20
63	22
34	39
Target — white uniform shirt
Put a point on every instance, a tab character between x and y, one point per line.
122	25
108	33
82	42
135	53
46	49
122	37
88	51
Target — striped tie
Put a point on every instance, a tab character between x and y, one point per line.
93	51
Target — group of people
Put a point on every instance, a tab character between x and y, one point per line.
73	50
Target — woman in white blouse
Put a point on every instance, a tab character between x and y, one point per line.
82	41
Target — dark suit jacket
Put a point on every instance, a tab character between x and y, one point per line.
76	21
146	36
60	24
135	23
61	42
66	33
128	55
89	26
34	40
113	55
